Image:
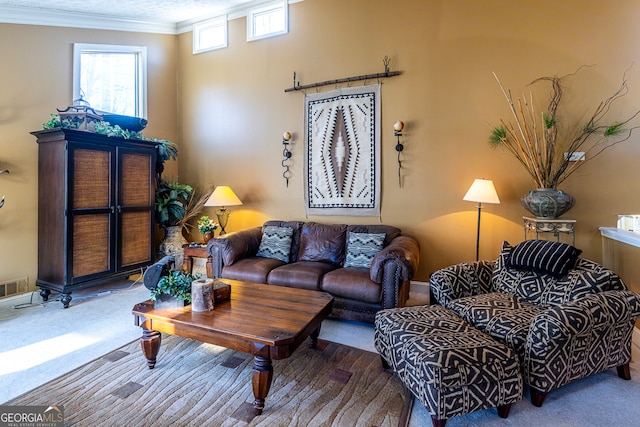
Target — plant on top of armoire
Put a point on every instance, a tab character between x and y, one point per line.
547	145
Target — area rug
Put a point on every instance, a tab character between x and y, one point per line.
197	384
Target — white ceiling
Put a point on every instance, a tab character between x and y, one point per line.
150	15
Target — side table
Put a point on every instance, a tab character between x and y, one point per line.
555	226
196	250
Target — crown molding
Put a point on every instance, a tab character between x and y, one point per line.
28	16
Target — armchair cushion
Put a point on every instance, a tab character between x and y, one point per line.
505	318
586	277
545	257
362	247
275	243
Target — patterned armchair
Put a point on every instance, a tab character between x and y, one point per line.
566	317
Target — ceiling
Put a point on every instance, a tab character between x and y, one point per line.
163	15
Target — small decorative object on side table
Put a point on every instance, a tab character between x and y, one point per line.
196	250
555	226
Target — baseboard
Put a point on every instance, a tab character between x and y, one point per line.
419	287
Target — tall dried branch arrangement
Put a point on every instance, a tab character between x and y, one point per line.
194	206
533	138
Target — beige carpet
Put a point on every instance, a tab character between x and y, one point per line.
196	384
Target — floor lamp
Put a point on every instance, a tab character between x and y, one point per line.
223	196
481	191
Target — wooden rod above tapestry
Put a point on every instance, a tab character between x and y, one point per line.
386	60
343	80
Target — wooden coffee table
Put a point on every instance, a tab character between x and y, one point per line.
269	322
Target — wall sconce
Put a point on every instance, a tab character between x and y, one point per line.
397	132
286	137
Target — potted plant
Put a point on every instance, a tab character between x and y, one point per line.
206	227
176	205
547	146
173	290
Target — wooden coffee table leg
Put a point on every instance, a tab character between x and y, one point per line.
261	376
314	337
150	343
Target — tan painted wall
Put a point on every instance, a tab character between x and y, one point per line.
36	79
233	110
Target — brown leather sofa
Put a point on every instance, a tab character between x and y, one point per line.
317	256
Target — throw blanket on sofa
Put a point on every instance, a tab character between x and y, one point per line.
342	163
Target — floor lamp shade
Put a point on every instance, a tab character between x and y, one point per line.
481	191
223	196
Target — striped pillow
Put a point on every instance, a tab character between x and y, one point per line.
362	247
275	243
543	256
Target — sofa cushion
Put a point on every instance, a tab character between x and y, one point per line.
585	278
252	269
301	274
504	317
275	243
323	243
543	256
389	231
352	283
362	247
295	236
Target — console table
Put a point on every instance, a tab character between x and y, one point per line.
555	226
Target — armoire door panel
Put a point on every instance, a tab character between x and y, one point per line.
91	244
136	237
136	184
91	178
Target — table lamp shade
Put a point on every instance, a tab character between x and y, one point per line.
223	196
482	191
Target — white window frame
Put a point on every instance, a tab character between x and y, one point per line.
252	13
220	21
141	70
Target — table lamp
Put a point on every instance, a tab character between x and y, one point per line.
481	191
223	196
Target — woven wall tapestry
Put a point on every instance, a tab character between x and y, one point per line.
342	157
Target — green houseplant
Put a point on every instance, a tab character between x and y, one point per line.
206	227
540	139
173	289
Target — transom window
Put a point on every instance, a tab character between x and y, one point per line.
111	78
268	20
210	35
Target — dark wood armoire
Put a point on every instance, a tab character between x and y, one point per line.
95	209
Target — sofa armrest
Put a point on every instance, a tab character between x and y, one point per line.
593	332
461	280
404	251
232	247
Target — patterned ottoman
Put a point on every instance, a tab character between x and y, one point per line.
449	365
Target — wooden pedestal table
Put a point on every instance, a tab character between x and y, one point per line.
268	322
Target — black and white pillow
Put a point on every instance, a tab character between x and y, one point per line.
362	247
275	243
543	256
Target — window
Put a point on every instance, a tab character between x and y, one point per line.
111	78
210	35
268	20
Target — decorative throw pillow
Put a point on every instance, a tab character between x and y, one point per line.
362	247
543	256
275	243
